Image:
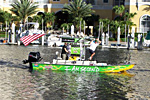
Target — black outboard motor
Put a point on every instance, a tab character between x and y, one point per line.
33	57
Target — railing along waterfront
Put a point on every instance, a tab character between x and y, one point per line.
145	0
10	1
41	1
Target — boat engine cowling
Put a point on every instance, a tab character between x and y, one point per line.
33	57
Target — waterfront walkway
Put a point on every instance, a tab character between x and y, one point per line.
114	44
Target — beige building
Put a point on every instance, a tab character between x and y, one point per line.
142	19
103	8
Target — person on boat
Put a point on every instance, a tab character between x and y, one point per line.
93	45
64	52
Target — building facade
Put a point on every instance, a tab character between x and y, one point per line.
103	8
142	19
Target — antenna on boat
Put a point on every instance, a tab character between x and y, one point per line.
82	49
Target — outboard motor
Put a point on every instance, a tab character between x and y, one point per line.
33	57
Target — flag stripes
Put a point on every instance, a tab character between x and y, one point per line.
28	39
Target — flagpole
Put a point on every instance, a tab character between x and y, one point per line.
21	26
125	33
1	27
99	30
108	34
102	27
6	31
42	24
67	29
84	27
27	23
80	26
42	33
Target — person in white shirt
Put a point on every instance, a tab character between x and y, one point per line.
93	45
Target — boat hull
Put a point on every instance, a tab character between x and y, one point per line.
81	68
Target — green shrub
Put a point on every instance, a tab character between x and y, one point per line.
123	39
135	39
2	32
111	39
2	35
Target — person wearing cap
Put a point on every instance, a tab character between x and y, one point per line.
93	45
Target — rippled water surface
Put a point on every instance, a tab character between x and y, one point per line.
17	83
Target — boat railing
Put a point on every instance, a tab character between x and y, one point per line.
68	62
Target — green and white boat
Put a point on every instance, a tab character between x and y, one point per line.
75	63
81	66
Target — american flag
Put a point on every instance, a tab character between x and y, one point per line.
28	39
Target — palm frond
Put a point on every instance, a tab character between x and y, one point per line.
24	8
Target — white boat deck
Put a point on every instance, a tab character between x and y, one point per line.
70	62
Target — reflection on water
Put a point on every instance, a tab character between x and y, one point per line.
112	56
17	83
74	85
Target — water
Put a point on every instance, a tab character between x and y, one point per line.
17	83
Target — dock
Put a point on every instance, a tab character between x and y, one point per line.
114	45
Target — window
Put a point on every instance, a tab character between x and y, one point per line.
56	0
11	1
145	23
89	1
71	0
41	1
119	2
105	1
146	0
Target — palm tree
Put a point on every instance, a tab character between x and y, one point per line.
128	16
119	9
66	25
114	27
105	24
5	16
49	18
23	9
78	9
2	18
92	19
38	18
